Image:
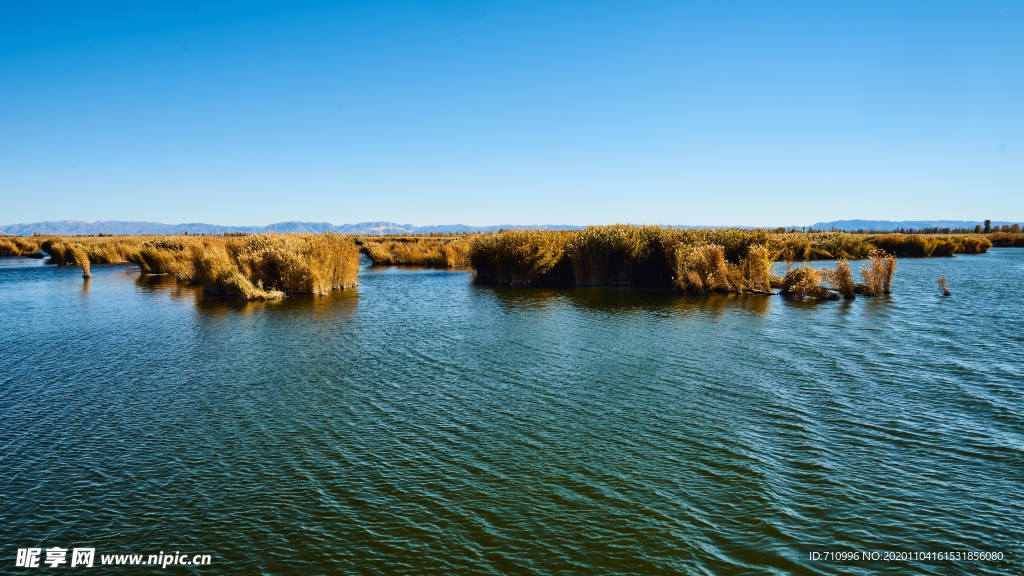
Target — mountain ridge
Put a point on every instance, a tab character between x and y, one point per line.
120	227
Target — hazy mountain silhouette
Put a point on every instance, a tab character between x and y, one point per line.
75	227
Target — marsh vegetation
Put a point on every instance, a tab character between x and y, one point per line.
444	252
704	261
694	261
255	267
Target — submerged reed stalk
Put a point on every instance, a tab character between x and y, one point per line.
82	259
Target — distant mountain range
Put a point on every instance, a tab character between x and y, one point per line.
74	227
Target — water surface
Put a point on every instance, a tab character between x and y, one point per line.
420	424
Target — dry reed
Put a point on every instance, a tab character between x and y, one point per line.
17	246
1006	239
942	285
877	274
620	255
430	252
841	279
694	260
254	267
806	282
758	266
522	257
703	269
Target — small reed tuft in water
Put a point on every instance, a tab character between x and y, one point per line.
942	285
841	279
806	282
878	273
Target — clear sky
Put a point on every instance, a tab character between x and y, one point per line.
481	113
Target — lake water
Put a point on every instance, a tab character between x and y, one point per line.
420	424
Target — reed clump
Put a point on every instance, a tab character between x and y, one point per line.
734	241
218	273
533	257
1006	239
915	245
254	267
69	254
697	261
825	245
621	255
942	285
759	267
17	246
877	273
430	252
841	279
703	269
930	245
296	263
973	244
806	282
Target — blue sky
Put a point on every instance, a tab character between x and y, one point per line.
480	113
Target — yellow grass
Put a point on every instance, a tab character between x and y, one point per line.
522	257
758	267
620	255
703	269
877	273
16	246
1006	239
693	260
841	279
430	252
255	267
805	282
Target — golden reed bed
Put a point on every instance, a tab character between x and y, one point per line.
697	261
256	267
705	260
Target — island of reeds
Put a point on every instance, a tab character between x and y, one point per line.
255	267
694	261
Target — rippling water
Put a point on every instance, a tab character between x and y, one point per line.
420	424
